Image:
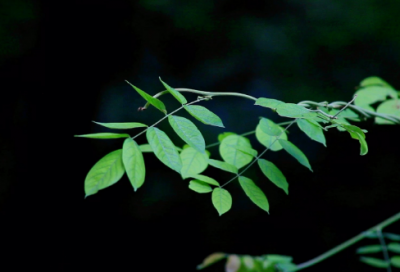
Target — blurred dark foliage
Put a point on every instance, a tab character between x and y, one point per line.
63	64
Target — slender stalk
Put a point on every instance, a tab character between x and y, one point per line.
346	244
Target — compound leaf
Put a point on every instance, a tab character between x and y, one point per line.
164	149
106	172
133	161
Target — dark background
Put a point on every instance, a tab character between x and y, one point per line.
63	65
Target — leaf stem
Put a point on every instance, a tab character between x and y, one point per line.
384	249
348	243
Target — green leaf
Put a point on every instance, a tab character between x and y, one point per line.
374	81
223	166
391	107
204	115
248	262
287	267
206	179
295	152
145	148
121	125
269	141
133	161
279	258
222	200
247	150
392	236
395	261
174	92
105	135
312	131
269	127
233	263
347	113
274	174
369	249
106	172
394	247
199	186
268	103
193	162
222	136
358	134
164	149
158	104
188	132
231	155
294	111
211	259
374	262
371	94
254	193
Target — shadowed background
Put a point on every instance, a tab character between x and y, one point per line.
63	66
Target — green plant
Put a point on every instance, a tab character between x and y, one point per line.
313	118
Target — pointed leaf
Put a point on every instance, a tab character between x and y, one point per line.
269	127
268	103
188	132
233	263
296	153
374	262
222	200
294	111
121	125
392	236
158	104
369	249
231	155
193	162
206	179
105	135
274	174
222	136
199	186
211	259
164	149
133	161
312	131
106	172
223	166
204	115
394	247
358	134
174	92
395	261
374	81
268	140
254	193
391	107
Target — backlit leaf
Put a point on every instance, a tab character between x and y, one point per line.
188	132
193	162
222	200
223	135
105	135
295	152
312	131
145	148
274	174
374	81
206	179
254	193
247	150
204	115
374	262
268	103
164	149
394	247
133	161
391	107
121	125
395	261
158	104
268	140
371	94
174	92
231	155
294	111
358	134
106	172
369	249
269	127
211	259
223	166
199	186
